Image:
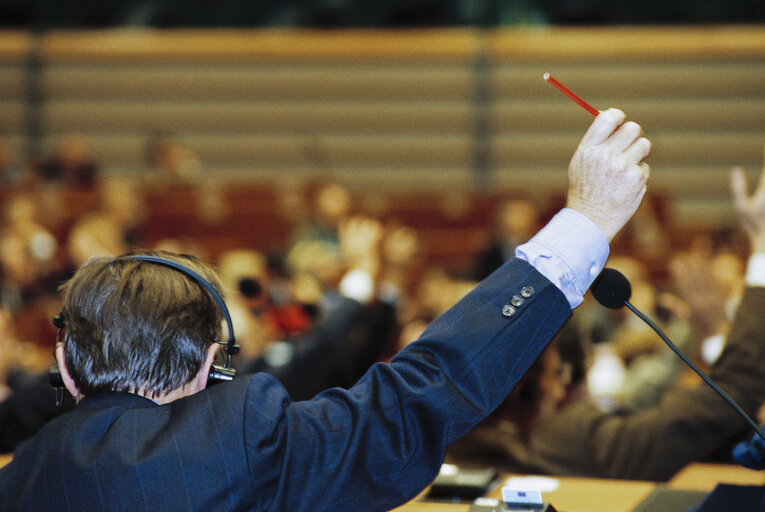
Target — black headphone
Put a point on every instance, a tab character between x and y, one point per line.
218	373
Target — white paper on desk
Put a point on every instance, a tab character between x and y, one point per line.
541	483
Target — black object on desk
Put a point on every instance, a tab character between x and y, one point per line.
504	507
457	484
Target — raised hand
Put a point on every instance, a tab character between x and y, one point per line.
750	208
607	175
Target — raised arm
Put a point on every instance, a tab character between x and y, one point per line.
384	440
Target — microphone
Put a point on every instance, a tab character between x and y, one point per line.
612	290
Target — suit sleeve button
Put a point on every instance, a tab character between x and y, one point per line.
508	310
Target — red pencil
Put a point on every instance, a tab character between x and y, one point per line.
565	90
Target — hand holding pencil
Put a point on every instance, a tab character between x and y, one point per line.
607	175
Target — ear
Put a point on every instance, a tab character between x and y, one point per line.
65	375
200	380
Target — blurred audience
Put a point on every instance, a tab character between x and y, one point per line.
69	165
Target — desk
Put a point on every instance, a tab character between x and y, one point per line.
606	495
603	495
572	495
704	477
598	495
594	495
432	506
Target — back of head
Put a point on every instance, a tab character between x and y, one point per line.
138	326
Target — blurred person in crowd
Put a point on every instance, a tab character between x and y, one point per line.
690	423
171	163
13	172
646	239
69	165
26	398
349	330
631	367
244	274
315	245
112	228
708	315
28	254
516	221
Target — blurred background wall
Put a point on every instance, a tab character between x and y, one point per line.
430	110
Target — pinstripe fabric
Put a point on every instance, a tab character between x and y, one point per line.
245	446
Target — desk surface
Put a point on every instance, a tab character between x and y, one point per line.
571	495
704	477
604	495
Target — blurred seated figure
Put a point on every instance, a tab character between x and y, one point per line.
13	173
28	254
69	165
708	315
631	367
317	335
169	162
26	398
315	245
244	274
113	227
516	221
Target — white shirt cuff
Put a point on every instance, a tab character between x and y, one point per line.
570	251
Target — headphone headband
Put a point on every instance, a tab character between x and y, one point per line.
217	373
231	346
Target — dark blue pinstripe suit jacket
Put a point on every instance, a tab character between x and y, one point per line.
245	446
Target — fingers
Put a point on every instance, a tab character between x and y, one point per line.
638	150
624	137
603	126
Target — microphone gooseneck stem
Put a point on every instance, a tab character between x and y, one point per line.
696	369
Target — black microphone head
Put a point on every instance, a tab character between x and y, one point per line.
611	289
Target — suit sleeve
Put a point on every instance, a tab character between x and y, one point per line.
378	444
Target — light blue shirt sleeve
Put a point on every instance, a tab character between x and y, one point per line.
570	251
